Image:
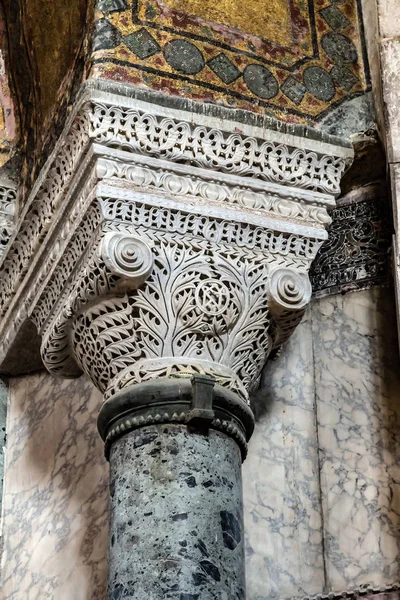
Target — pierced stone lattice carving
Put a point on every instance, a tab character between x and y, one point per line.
283	204
163	249
8	200
357	254
173	139
168	320
203	305
214	149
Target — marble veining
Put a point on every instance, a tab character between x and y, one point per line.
55	501
3	419
358	407
280	480
340	366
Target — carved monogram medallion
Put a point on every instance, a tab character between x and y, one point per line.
212	297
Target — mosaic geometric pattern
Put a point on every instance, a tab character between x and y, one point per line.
357	253
294	59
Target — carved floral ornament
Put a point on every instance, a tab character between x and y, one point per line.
155	247
8	205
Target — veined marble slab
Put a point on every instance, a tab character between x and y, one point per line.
3	419
281	481
357	380
56	490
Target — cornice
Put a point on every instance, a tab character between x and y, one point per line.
240	120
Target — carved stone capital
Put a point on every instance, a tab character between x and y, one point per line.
153	248
144	303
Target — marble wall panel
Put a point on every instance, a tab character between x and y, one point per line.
3	419
341	368
55	500
389	17
281	482
390	60
357	382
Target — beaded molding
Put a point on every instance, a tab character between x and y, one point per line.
130	424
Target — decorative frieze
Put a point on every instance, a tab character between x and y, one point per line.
215	149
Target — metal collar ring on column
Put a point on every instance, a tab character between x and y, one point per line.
171	401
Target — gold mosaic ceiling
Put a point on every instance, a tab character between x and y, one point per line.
294	59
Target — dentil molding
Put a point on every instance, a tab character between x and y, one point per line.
164	241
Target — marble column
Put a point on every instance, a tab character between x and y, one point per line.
176	508
176	516
167	258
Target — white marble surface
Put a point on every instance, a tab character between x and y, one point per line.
389	17
342	360
357	382
280	480
344	357
56	493
390	61
388	42
3	419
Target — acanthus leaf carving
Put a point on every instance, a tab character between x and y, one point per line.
203	308
166	263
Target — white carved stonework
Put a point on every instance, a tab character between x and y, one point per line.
161	243
8	209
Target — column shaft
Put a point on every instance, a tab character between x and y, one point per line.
176	516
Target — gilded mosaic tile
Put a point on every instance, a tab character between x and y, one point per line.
294	59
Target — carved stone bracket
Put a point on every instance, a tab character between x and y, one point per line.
155	248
